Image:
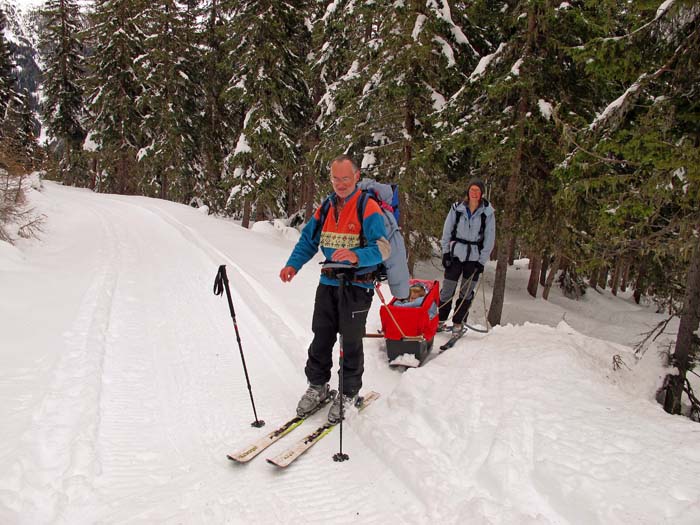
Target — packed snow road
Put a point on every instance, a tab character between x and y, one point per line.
122	392
142	394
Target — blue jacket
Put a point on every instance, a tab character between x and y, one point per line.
344	232
468	229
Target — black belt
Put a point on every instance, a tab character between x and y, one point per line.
335	271
349	275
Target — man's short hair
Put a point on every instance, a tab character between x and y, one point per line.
345	157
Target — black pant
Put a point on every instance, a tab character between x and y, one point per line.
453	272
339	312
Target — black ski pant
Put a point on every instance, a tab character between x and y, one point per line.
453	272
341	312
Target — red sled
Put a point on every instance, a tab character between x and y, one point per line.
410	329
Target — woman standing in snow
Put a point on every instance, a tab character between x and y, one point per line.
468	237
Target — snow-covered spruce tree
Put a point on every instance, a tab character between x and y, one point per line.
218	124
168	102
587	206
116	83
7	77
18	131
506	126
636	138
272	97
647	140
385	107
63	107
340	30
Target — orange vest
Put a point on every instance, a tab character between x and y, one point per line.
345	233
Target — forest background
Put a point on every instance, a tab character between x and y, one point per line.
582	118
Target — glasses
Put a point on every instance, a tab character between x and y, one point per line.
342	180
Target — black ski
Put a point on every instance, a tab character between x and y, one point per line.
455	337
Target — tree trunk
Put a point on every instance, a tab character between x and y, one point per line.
686	342
511	249
308	196
499	285
68	178
259	209
535	270
593	279
246	213
543	270
603	277
625	276
164	185
310	187
93	175
615	282
511	196
292	195
550	278
639	283
405	219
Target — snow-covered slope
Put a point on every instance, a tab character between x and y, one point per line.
122	391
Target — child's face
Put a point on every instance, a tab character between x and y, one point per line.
416	293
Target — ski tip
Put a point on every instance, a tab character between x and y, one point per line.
367	398
237	458
275	463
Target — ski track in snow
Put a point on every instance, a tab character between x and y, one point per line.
63	432
138	418
146	396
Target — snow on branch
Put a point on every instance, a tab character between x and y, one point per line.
330	10
446	50
438	100
613	114
660	12
619	105
663	8
484	63
418	27
445	14
545	108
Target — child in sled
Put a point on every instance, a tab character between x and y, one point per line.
417	292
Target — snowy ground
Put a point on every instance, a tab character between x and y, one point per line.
122	391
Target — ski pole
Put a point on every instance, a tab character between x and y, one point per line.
340	456
221	283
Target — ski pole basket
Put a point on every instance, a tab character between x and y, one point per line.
411	329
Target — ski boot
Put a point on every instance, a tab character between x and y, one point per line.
334	412
312	398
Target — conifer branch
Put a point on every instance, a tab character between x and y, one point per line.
620	106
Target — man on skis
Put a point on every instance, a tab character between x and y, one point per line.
340	310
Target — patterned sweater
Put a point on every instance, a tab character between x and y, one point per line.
344	232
